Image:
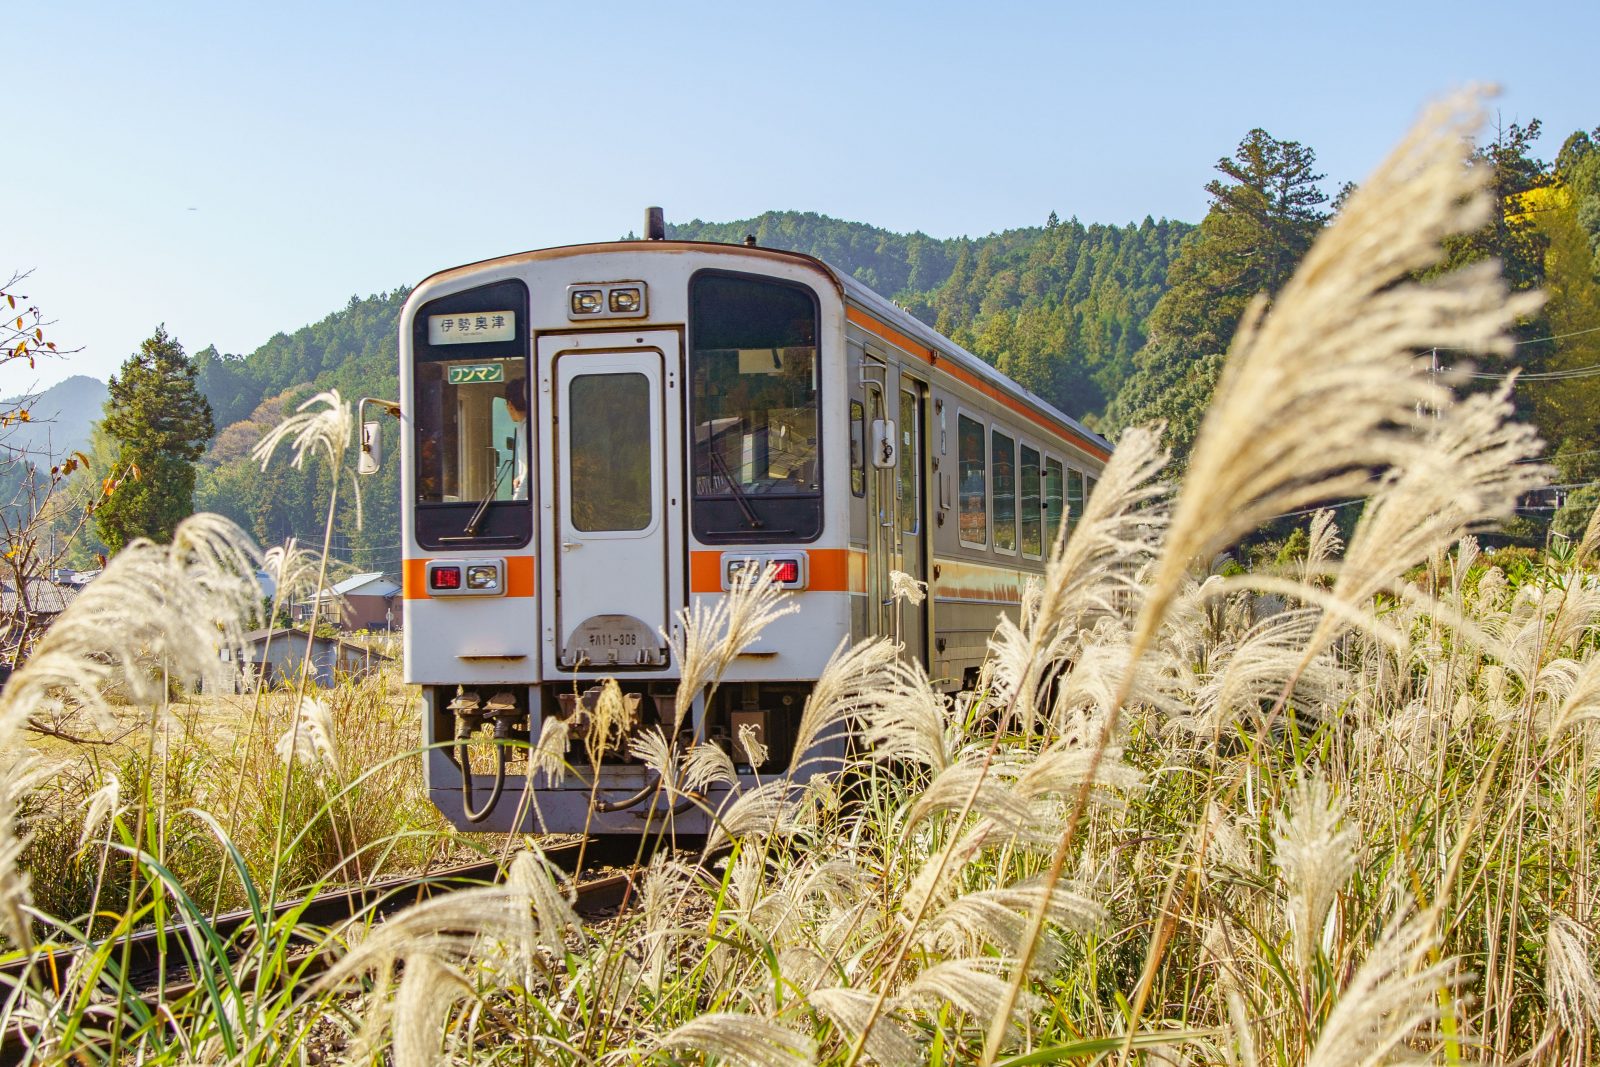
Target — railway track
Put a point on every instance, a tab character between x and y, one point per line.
157	965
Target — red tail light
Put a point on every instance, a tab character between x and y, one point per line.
446	577
786	571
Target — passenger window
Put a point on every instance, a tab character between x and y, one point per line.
858	449
1074	499
972	461
1005	493
1052	499
1088	488
910	431
1032	527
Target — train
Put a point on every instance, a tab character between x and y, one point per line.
594	437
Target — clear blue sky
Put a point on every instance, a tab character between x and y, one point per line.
235	172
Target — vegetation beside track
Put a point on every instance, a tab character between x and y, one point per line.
1339	812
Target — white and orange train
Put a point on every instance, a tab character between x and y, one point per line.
593	437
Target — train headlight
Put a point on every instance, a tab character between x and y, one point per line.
485	577
787	571
625	299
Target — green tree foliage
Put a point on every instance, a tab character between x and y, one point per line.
1171	387
1059	307
354	351
1261	222
1509	236
160	423
1568	409
1578	164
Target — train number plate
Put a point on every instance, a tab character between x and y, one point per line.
613	641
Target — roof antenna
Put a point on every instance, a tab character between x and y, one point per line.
749	240
655	224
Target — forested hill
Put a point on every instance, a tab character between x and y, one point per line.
353	351
1059	307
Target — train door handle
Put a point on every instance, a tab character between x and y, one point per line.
567	546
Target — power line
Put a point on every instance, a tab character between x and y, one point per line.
1531	340
1538	376
1544	376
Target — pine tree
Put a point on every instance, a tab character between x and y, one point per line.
1257	230
1259	227
160	424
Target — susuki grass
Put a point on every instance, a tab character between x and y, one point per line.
1341	814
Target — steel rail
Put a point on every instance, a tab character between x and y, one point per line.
151	956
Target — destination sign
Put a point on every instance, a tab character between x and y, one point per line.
472	327
477	373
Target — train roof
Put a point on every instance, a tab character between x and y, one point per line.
908	324
853	291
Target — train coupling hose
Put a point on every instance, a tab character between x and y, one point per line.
501	710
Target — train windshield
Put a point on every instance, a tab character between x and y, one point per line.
472	452
477	440
753	375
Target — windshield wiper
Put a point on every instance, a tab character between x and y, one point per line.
471	528
738	490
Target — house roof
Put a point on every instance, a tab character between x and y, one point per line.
45	598
356	585
276	633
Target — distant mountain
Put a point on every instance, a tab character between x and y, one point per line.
59	418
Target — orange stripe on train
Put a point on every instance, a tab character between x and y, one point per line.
927	355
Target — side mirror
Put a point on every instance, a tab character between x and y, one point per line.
371	449
371	440
885	446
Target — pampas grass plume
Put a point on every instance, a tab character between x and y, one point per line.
1328	387
741	1039
1316	857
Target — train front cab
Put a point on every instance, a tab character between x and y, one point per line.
671	437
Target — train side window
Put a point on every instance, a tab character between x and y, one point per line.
1028	499
1074	499
910	463
1053	510
858	449
1005	492
1089	483
972	463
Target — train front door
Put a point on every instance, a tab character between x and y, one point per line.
910	514
608	513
